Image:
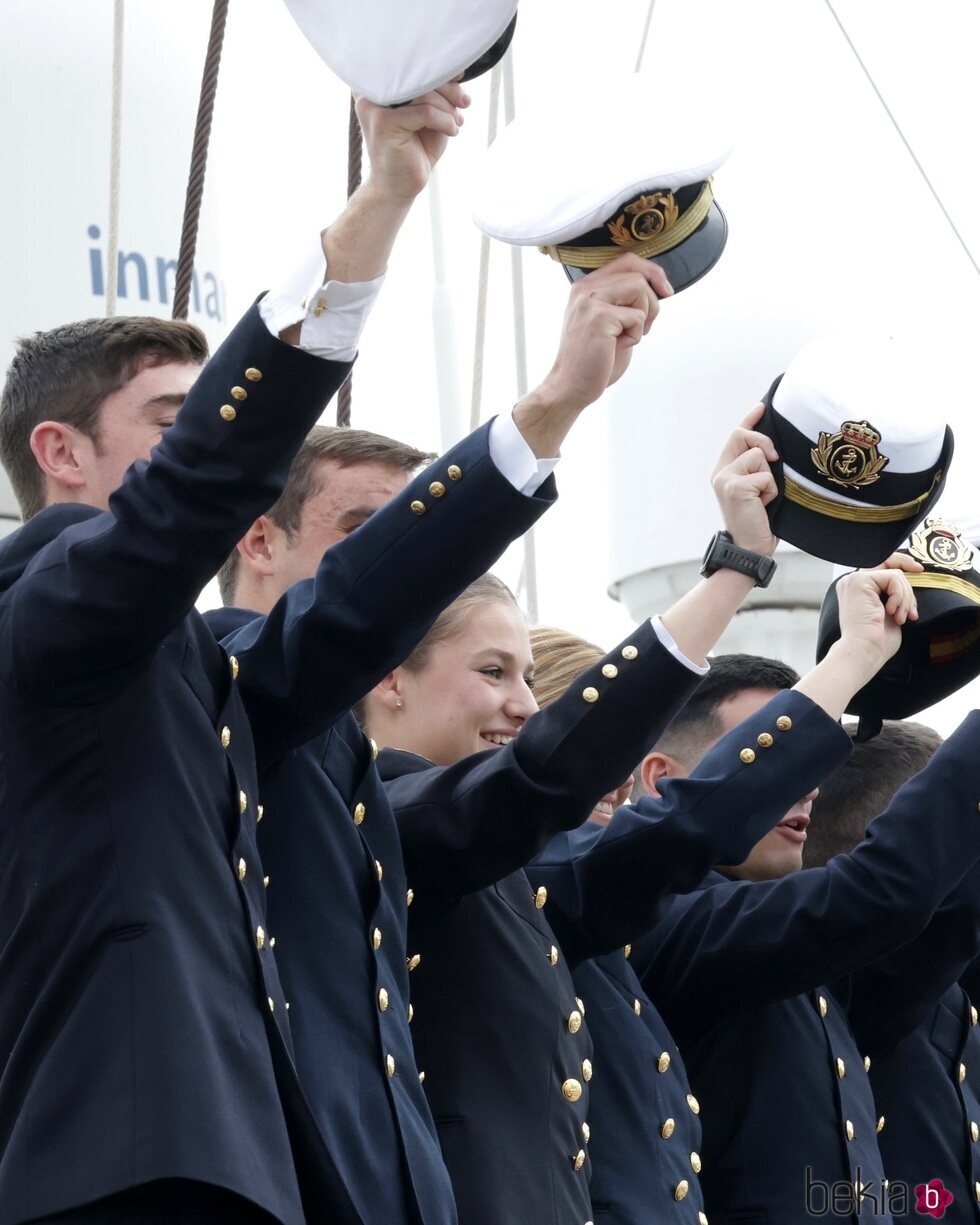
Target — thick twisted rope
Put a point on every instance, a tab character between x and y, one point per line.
355	147
199	161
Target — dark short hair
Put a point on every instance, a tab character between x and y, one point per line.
864	786
699	724
345	448
67	373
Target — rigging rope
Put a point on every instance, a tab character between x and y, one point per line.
902	137
484	279
643	38
355	155
199	161
115	158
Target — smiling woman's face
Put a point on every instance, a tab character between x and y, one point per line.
472	691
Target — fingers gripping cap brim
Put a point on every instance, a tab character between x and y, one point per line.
690	260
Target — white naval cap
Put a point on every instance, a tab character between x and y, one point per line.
584	185
864	453
391	51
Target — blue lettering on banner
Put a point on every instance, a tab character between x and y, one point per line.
134	278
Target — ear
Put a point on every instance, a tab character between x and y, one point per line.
389	691
56	447
656	766
257	545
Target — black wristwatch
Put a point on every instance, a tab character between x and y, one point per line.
723	554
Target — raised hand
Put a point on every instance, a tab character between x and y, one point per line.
744	485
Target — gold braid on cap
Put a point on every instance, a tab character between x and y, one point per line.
849	511
948	582
668	237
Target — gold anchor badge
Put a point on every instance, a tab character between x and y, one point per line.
850	457
940	543
650	215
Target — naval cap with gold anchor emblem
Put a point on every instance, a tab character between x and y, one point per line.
863	449
391	51
940	652
581	182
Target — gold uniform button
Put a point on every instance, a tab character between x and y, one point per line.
784	723
668	1129
586	1132
378	868
414	962
239	393
764	740
390	1064
747	756
382	1000
694	1104
287	1005
540	897
259	813
841	1069
974	1131
663	1063
227	412
962	1072
976	1191
421	1078
849	1129
374	748
553	956
272	942
242	801
242	869
590	694
265	882
417	507
629	652
867	1063
225	737
974	1016
681	1190
571	1090
610	671
586	1070
409	897
272	1004
637	1007
437	489
702	1219
696	1163
411	1014
627	949
359	812
454	472
233	665
376	938
579	1160
574	1022
581	1006
253	375
822	1005
260	937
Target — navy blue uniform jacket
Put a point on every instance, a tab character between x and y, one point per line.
645	1142
736	968
142	1027
337	892
499	1031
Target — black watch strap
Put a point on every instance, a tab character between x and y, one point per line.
724	554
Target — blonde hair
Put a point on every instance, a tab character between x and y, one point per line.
559	657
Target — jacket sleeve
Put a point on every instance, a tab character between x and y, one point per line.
465	826
330	639
889	998
739	944
103	595
606	884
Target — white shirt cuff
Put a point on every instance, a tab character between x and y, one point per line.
667	641
332	313
514	459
